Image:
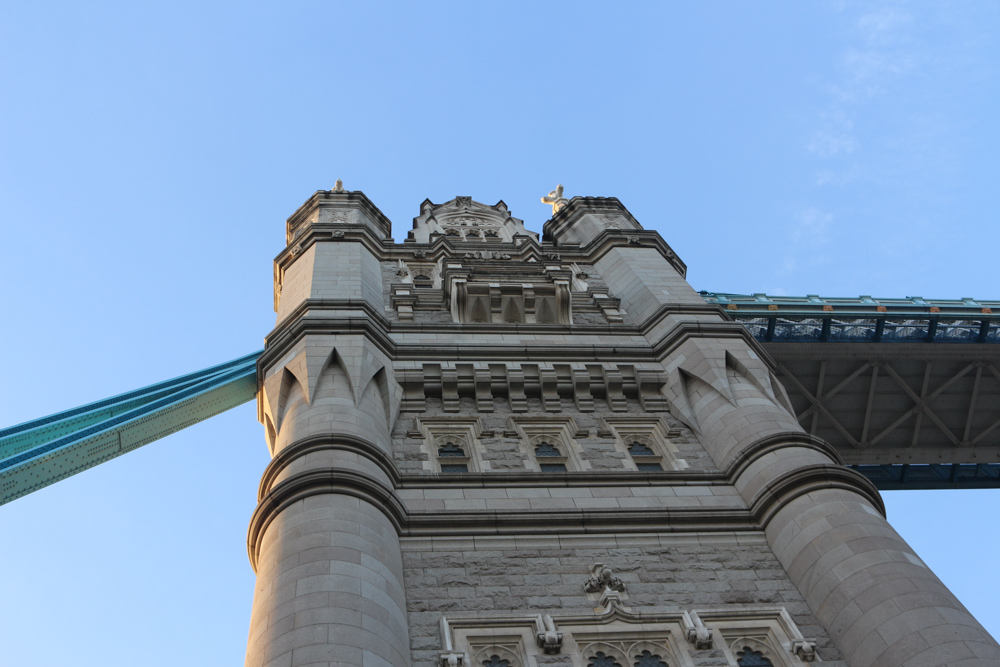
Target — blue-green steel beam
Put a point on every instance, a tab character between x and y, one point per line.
913	476
44	451
814	319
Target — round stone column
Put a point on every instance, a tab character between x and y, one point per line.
826	524
324	543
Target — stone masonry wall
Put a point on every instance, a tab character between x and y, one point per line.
546	574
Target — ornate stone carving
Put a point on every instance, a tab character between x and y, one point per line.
552	256
463	202
633	239
338	234
296	250
486	254
601	579
555	199
613	221
419	254
339	186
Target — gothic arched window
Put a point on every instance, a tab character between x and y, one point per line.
496	661
601	660
422	281
458	461
751	658
550	459
647	659
645	458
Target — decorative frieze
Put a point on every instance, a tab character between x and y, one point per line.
550	383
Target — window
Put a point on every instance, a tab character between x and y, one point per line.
751	658
645	458
647	659
547	443
646	441
422	281
453	458
599	659
550	459
451	444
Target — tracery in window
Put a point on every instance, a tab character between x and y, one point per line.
599	659
422	281
496	661
647	659
645	441
450	450
645	458
451	444
550	459
751	658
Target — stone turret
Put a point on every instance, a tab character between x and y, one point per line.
491	448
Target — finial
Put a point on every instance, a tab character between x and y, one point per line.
339	187
555	199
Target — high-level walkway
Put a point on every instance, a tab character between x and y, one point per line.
907	390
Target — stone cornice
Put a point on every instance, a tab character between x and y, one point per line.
795	483
762	508
319	482
346	443
355	197
380	331
772	443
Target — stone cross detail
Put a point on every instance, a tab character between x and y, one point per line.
601	579
555	199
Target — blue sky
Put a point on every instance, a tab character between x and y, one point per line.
150	153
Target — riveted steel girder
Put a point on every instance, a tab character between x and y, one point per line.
44	451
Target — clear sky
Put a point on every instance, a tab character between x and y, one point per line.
150	153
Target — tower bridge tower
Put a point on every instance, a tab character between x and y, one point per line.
491	448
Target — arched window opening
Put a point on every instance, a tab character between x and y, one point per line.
751	658
599	659
457	459
647	659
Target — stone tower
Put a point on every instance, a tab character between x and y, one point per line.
494	450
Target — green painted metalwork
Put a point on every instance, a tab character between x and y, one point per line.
813	318
44	451
899	477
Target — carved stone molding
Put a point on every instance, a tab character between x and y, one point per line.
601	579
